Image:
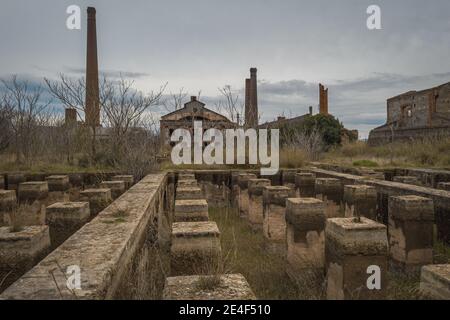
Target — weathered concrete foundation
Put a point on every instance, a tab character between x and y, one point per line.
305	235
352	252
227	287
305	184
330	191
255	201
360	200
98	199
435	281
64	218
195	248
411	220
274	204
128	179
188	193
8	203
243	192
58	183
117	188
21	250
191	210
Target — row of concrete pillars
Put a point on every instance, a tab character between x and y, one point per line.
38	216
196	265
321	224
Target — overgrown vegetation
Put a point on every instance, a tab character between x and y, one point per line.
429	152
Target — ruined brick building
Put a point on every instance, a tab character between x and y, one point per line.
184	118
415	115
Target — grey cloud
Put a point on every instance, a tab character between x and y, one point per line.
109	73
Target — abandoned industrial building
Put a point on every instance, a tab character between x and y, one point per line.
415	115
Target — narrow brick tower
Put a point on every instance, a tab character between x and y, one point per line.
92	116
323	99
251	100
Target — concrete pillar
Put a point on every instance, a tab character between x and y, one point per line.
444	186
14	179
98	199
305	235
235	189
352	252
8	203
220	287
435	281
21	250
117	188
58	183
243	192
411	220
191	210
195	248
305	184
288	178
2	182
330	191
255	201
186	176
407	180
92	117
187	183
128	179
274	203
64	218
189	193
32	191
360	200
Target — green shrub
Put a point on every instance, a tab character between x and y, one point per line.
365	163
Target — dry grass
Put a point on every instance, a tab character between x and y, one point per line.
264	270
292	158
426	153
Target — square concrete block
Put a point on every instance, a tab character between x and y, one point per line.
2	182
288	177
435	281
8	203
58	183
229	287
32	191
191	210
444	186
21	250
274	204
243	179
64	218
186	176
330	191
128	179
14	179
98	199
352	251
305	235
305	184
189	193
117	187
195	247
411	220
187	183
255	201
360	200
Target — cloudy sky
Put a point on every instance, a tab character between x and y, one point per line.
206	44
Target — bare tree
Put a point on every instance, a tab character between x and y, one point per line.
25	106
230	104
124	107
175	101
310	142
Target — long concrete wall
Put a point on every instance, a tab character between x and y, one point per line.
103	249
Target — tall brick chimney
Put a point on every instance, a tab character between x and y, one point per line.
253	101
247	102
92	110
323	99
